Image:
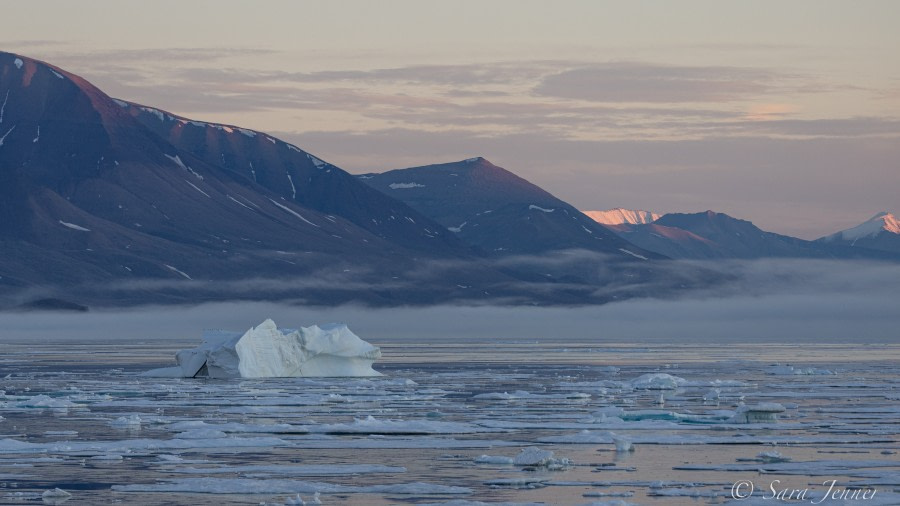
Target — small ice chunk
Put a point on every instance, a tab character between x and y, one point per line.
623	444
18	62
537	457
657	381
295	501
201	434
789	370
108	457
758	413
494	459
45	401
609	411
126	422
57	495
533	456
772	457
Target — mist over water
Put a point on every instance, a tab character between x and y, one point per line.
770	300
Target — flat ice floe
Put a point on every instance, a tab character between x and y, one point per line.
283	486
266	351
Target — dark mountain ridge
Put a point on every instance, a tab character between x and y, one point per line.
92	193
498	212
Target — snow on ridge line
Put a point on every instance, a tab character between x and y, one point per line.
315	161
401	186
883	221
539	208
620	215
74	226
156	112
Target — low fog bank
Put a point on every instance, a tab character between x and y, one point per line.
770	301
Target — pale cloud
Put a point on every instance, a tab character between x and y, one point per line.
645	82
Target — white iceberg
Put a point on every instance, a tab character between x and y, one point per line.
266	351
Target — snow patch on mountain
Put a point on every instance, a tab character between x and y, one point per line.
178	162
6	134
197	188
457	229
400	186
74	226
3	107
635	255
177	271
288	209
539	208
619	216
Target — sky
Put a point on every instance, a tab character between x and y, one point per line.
783	113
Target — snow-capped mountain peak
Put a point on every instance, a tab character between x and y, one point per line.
619	216
883	221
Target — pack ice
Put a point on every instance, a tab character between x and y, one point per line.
265	351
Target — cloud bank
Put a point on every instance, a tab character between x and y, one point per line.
767	301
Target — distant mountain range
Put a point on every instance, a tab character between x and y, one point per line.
711	235
109	202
